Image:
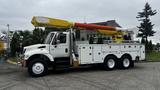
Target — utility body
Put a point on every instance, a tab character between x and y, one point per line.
61	50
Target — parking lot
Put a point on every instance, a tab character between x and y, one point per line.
145	76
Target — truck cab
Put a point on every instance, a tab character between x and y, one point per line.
55	46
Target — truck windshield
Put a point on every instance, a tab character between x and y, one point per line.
49	38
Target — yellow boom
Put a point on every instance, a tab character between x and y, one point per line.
50	22
39	21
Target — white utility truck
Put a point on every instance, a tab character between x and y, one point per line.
61	50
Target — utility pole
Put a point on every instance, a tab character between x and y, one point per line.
8	41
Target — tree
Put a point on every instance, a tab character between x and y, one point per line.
15	44
38	36
157	46
50	29
146	26
146	45
27	38
150	46
143	41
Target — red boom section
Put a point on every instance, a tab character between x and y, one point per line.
94	27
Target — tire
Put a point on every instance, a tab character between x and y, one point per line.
37	68
110	63
126	62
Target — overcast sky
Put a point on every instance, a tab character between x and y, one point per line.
18	13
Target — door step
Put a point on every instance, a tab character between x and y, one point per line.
62	61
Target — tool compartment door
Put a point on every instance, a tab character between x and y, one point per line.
142	52
97	53
85	54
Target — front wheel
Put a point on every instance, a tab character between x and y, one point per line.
37	68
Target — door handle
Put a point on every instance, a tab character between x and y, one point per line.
55	46
66	50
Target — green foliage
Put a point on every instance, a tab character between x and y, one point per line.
143	41
3	53
26	38
15	44
146	26
146	46
158	45
153	56
38	36
150	45
50	29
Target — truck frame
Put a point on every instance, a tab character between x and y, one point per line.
61	50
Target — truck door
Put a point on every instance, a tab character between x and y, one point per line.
59	46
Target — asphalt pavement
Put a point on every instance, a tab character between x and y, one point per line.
144	76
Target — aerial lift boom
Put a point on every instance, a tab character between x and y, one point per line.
39	21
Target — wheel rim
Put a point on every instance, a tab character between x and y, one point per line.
111	63
126	62
38	68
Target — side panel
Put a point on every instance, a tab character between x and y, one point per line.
38	51
133	50
142	53
85	54
111	49
97	53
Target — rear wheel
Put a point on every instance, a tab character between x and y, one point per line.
110	63
126	62
37	68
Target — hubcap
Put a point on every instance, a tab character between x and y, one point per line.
126	62
111	63
38	68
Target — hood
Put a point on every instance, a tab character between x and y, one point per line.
36	46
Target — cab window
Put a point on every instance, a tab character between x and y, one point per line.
62	38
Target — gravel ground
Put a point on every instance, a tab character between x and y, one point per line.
144	76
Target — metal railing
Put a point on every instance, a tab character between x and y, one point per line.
118	42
